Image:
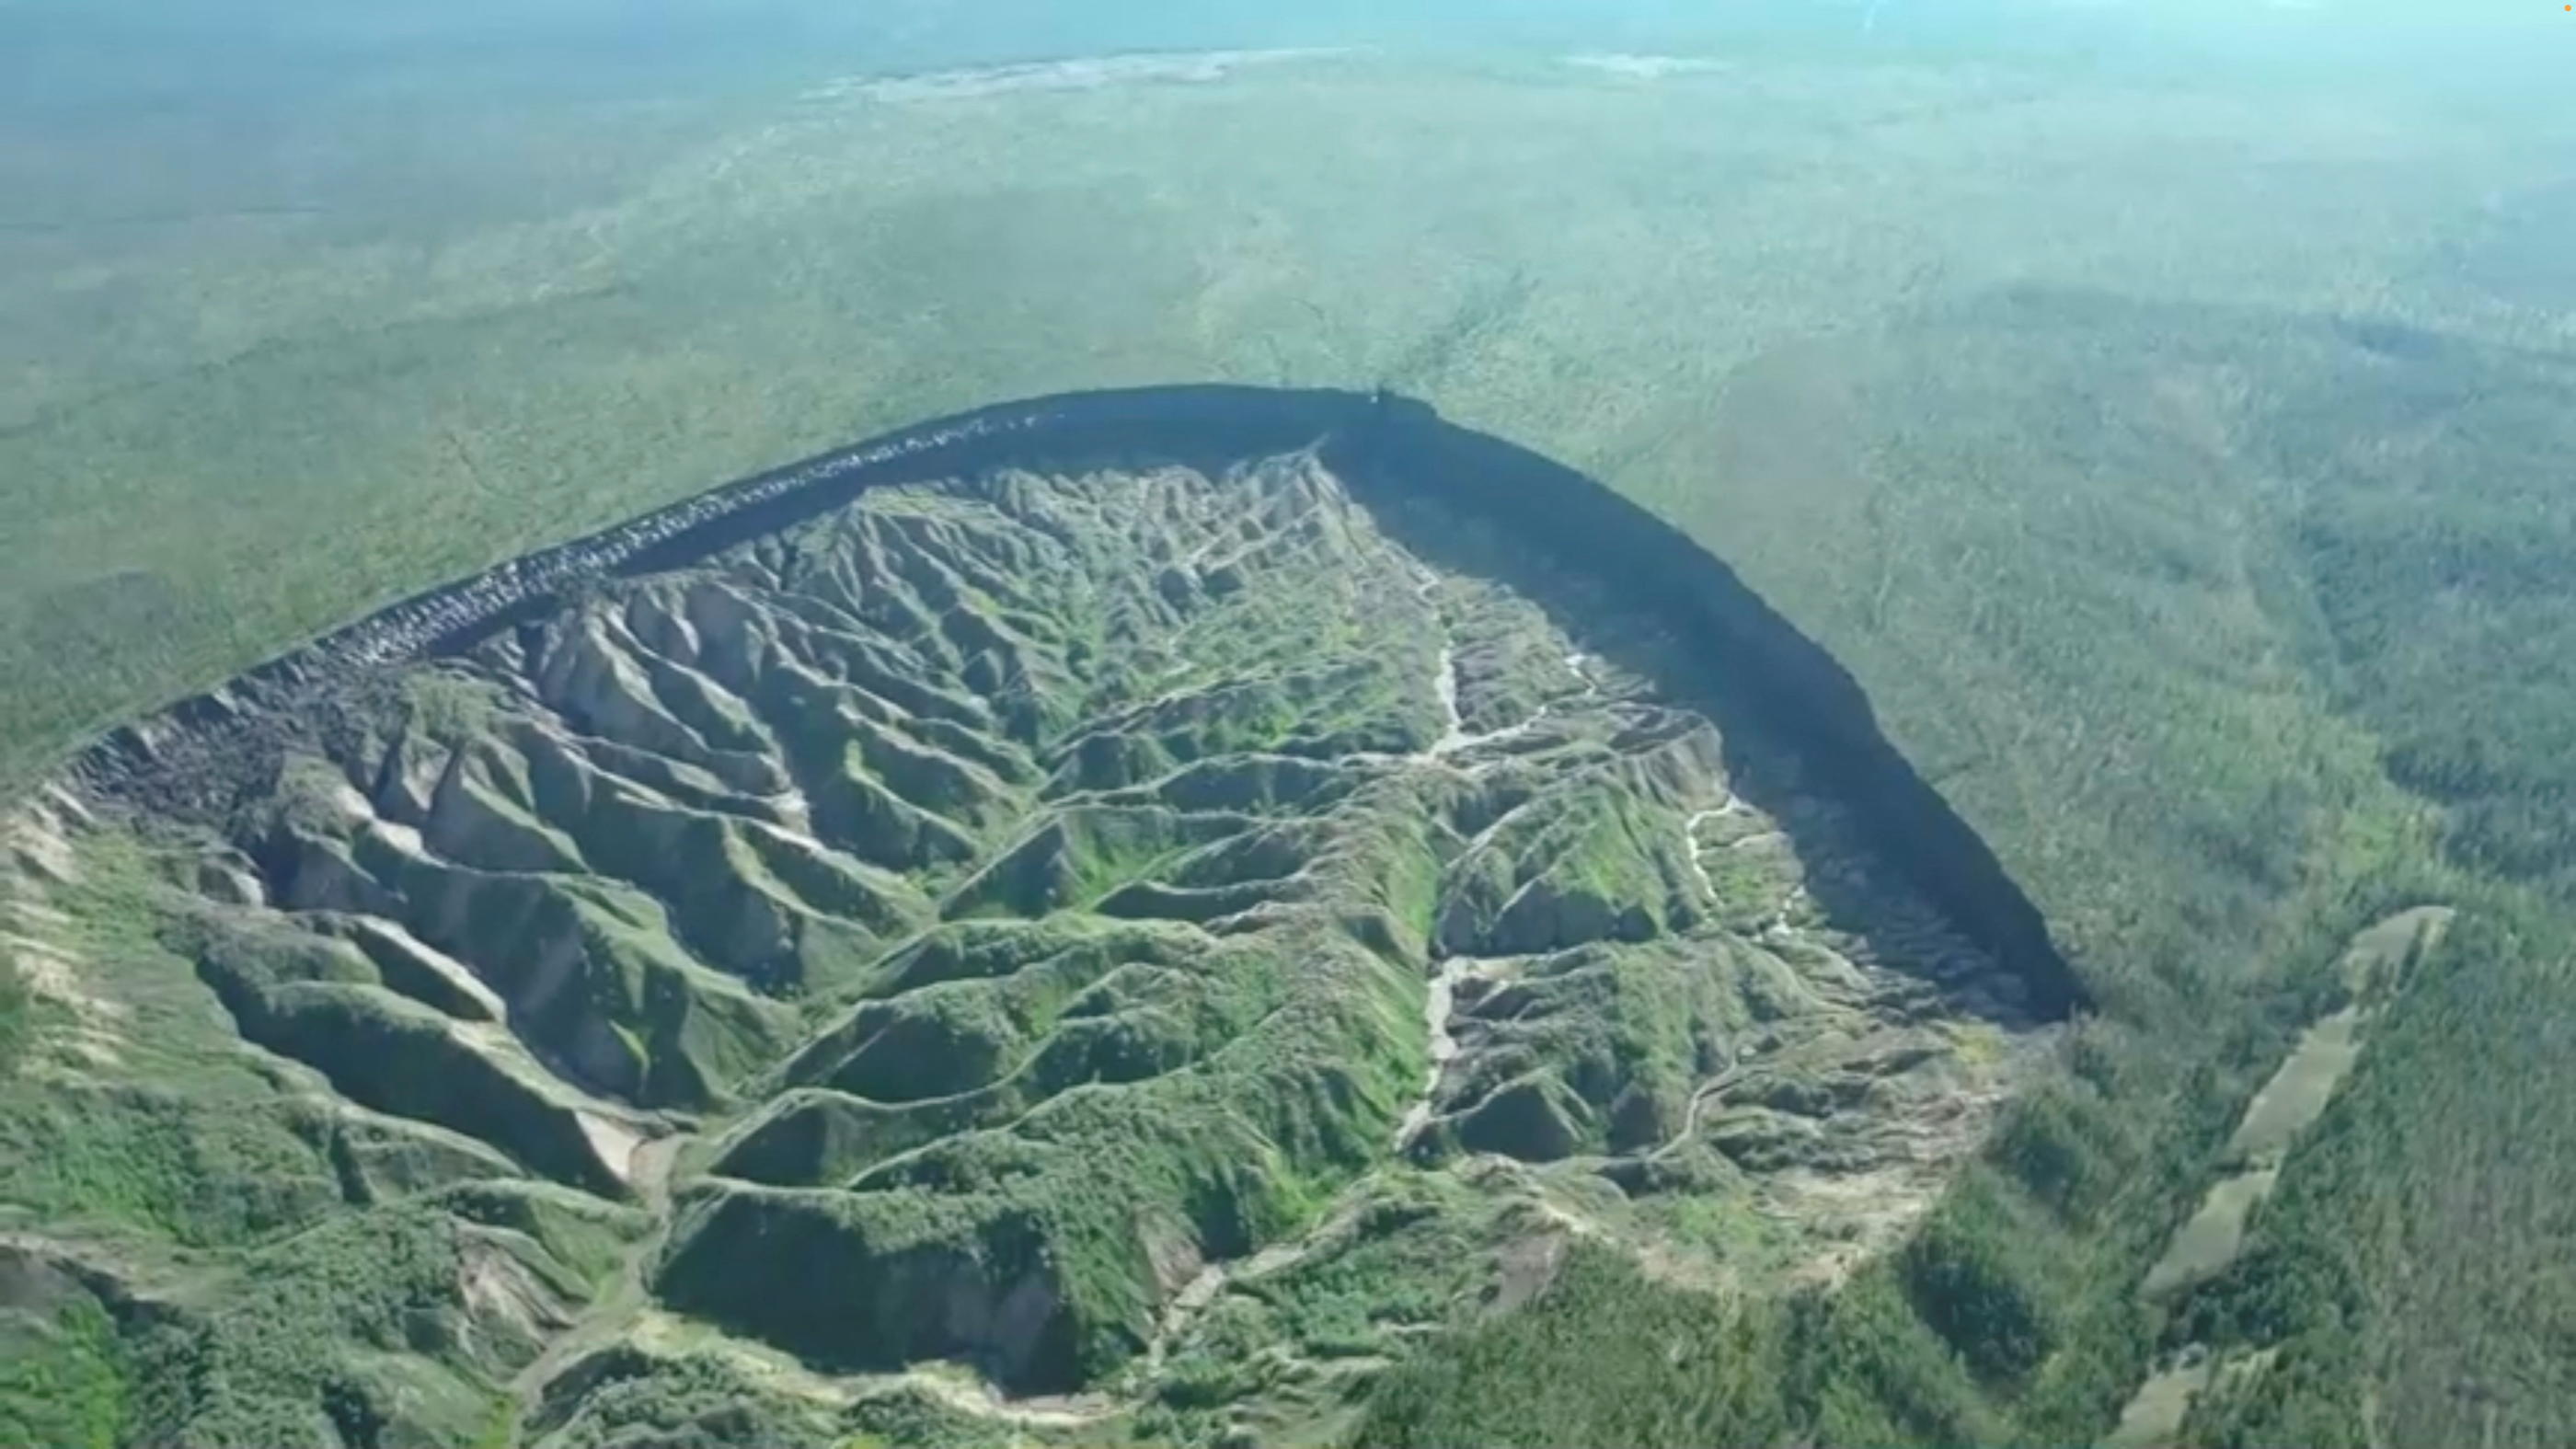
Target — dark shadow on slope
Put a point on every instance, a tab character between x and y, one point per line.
1770	689
206	756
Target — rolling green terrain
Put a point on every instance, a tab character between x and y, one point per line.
2181	466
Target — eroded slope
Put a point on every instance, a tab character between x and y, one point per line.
1172	933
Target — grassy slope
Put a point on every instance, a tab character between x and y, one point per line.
1968	444
219	1192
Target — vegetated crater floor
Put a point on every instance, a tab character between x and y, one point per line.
1033	917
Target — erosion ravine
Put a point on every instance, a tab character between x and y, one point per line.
1148	898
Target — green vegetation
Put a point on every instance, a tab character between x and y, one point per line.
14	1022
605	983
2427	1196
63	1380
2442	580
1640	1393
623	1397
2176	465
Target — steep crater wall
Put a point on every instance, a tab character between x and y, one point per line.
206	755
994	894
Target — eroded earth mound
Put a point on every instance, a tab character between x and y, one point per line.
1126	933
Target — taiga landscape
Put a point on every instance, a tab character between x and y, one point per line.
985	724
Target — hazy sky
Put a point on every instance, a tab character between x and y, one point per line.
61	50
